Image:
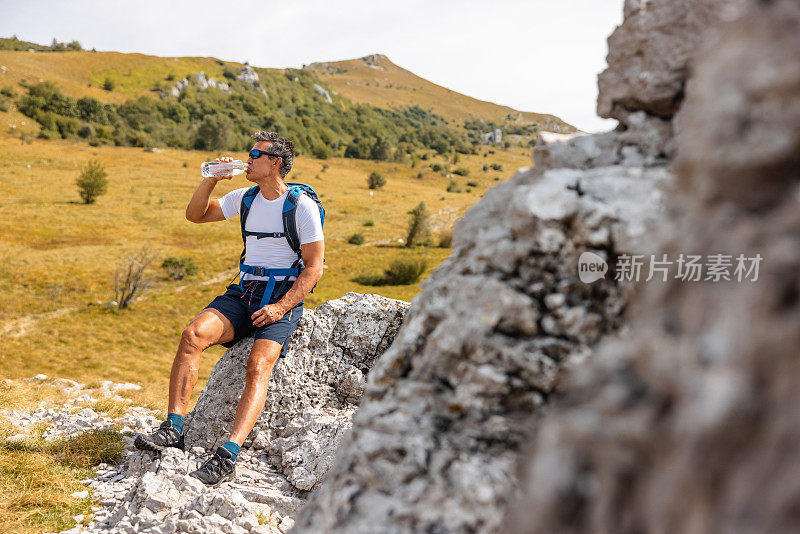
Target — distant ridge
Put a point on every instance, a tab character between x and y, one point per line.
376	80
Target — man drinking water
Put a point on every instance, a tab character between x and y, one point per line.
282	262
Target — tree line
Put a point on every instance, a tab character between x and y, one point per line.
212	119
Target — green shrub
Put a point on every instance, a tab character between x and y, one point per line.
446	239
214	133
179	268
321	151
92	182
437	167
356	239
461	172
418	226
420	175
472	184
46	133
109	84
496	166
400	272
453	187
369	223
403	272
67	127
381	150
86	131
8	91
376	180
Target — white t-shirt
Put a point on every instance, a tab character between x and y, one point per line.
266	216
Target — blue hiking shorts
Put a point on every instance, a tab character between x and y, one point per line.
239	305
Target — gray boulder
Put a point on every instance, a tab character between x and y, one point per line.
313	392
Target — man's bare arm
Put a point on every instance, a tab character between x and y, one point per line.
312	258
201	209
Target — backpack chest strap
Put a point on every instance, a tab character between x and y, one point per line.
271	273
261	235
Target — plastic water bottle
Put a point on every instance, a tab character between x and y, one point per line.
222	168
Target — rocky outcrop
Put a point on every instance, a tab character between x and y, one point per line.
323	92
314	390
248	75
200	80
447	407
690	423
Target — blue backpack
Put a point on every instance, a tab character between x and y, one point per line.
289	233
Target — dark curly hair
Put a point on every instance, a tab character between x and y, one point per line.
281	146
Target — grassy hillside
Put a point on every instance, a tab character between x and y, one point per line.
59	255
80	74
375	80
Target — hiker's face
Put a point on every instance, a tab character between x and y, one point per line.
263	166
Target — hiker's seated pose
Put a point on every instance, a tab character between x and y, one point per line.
282	261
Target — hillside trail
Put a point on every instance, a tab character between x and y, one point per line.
23	325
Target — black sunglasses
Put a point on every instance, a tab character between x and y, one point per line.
256	153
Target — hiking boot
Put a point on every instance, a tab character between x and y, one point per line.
166	436
217	469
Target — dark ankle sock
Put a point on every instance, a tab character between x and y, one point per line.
176	420
232	448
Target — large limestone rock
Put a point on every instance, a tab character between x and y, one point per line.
447	406
314	390
690	423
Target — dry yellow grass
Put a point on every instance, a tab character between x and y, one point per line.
81	74
38	477
59	255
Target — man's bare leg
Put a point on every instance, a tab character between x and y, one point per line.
264	354
208	328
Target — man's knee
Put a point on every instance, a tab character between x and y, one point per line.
262	358
195	336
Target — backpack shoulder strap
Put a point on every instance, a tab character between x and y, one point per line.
289	222
244	211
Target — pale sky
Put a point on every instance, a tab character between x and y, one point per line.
532	55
